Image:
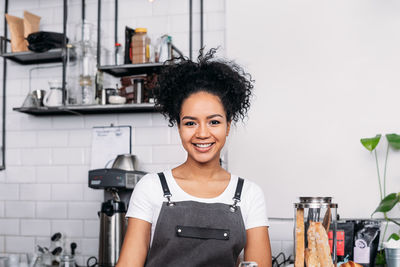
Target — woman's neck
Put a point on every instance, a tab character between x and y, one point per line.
194	170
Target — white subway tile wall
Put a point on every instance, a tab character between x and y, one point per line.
44	187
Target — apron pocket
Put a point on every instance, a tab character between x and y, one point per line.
202	233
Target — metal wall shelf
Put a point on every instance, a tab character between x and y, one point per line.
131	69
27	58
92	109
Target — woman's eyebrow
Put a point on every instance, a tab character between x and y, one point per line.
214	115
208	117
188	118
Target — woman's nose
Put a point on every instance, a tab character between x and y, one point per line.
203	131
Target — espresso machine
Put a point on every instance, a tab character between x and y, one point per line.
117	183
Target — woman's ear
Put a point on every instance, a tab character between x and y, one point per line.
228	128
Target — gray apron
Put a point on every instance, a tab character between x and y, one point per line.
190	233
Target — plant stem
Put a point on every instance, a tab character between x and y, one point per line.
384	171
393	221
379	177
384	232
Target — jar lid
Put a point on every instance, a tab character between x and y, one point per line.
141	30
315	202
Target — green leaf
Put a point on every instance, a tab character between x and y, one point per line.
394	140
394	236
388	203
371	143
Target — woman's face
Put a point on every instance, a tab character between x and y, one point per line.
203	127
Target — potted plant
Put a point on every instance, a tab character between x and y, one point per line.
387	202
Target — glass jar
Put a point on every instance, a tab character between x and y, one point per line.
67	261
315	232
140	45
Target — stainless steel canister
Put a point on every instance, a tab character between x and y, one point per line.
315	232
112	232
138	88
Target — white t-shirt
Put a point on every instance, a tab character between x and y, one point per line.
147	199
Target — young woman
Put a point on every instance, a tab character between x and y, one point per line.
198	214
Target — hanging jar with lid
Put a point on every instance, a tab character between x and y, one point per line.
315	232
140	45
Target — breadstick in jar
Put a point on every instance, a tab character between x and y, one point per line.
299	232
312	253
324	251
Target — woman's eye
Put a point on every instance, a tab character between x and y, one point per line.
214	122
189	123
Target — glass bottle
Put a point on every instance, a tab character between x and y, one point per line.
140	46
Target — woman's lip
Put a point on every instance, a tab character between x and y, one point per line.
203	149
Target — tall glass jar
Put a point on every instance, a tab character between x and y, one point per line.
140	46
81	73
315	232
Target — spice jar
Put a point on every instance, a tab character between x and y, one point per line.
140	46
315	232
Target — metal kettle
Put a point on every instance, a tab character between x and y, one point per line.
112	231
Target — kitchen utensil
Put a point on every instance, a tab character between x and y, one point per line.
112	231
124	162
30	101
53	97
38	96
73	247
57	236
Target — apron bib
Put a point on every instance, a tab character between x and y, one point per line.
191	233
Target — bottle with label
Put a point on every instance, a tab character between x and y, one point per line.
140	46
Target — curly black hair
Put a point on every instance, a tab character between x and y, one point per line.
222	78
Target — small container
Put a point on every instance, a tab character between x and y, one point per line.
119	54
315	231
392	257
67	261
140	45
138	85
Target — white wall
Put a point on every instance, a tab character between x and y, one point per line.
327	74
44	187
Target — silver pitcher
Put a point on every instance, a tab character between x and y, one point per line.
112	230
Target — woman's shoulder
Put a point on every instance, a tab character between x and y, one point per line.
250	188
149	180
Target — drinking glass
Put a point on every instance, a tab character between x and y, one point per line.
248	264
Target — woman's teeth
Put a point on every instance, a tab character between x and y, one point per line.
203	145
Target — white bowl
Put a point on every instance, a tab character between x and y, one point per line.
116	99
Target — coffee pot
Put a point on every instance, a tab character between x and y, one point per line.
53	98
112	230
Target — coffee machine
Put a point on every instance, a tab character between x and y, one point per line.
118	183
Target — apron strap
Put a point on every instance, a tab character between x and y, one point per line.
165	188
238	194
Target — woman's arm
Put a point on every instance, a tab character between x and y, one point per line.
257	247
136	244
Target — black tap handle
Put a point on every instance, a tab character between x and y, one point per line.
73	247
